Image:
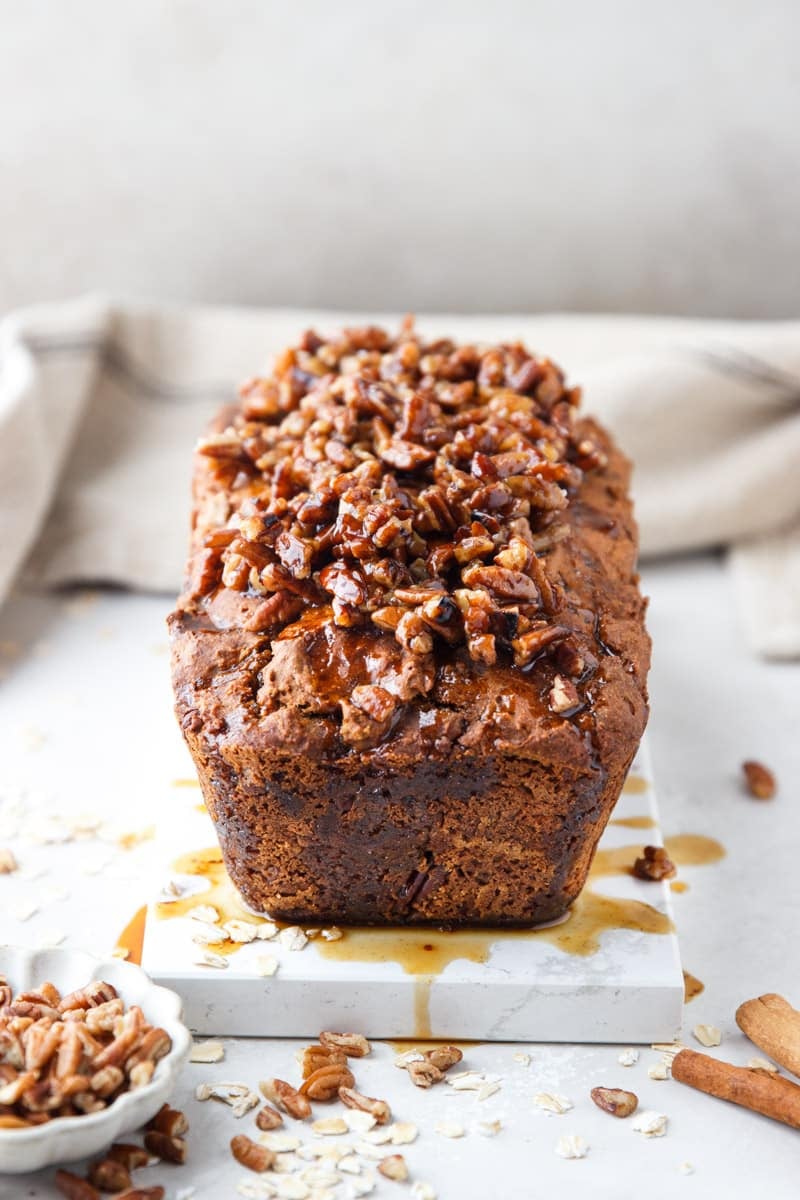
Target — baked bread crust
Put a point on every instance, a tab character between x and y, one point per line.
453	772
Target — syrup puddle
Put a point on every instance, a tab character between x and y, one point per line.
634	822
635	785
692	987
425	952
132	937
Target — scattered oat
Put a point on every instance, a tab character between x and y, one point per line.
266	930
240	931
289	1188
329	1126
651	1124
394	1167
422	1191
206	935
403	1133
53	894
261	1190
628	1058
572	1145
207	959
293	938
25	910
8	864
32	738
707	1035
279	1142
379	1136
523	1059
762	1064
207	1052
686	1168
449	1129
333	934
659	1070
404	1060
669	1049
349	1164
171	891
358	1121
206	913
489	1128
486	1090
266	965
466	1081
365	1186
552	1102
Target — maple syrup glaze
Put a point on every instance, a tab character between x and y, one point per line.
634	822
132	936
678	885
634	785
692	987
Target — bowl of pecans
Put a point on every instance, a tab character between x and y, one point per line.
89	1049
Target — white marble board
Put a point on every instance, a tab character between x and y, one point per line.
630	990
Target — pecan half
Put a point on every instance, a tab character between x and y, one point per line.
378	1109
286	1097
250	1154
354	1045
324	1083
615	1101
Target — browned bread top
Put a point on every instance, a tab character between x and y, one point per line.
402	548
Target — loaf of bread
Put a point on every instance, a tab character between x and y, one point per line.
410	658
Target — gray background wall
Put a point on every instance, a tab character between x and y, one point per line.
373	153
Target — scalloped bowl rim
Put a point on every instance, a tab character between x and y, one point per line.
166	1011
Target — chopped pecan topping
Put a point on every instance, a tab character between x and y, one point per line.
389	476
654	864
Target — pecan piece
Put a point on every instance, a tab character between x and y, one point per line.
654	864
250	1154
311	1058
563	696
173	1149
393	1167
268	1118
75	1188
170	1121
759	780
324	1083
378	1109
286	1097
108	1175
425	1073
444	1057
615	1101
354	1045
129	1155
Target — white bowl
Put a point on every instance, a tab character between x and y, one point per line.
65	1139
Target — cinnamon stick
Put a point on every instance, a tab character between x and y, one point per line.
774	1026
761	1091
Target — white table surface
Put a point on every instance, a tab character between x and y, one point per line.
102	742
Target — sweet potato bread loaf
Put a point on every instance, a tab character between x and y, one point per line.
410	658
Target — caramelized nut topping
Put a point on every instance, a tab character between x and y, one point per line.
409	485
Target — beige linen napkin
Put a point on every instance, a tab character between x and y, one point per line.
101	403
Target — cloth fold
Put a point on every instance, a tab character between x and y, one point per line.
102	401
